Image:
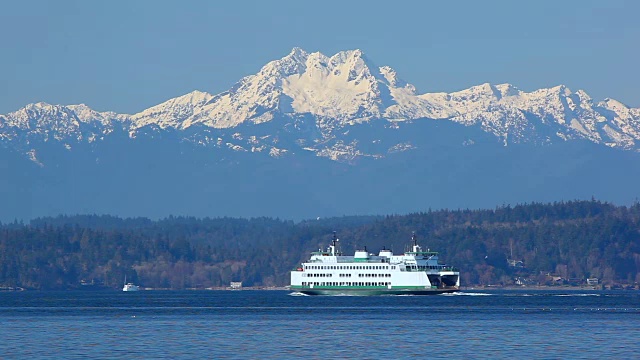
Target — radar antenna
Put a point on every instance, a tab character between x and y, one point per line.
334	245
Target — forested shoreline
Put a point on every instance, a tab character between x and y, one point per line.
554	244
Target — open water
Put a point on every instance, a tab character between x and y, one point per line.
278	325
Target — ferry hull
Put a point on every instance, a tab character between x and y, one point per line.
374	292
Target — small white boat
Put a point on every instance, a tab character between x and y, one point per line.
129	286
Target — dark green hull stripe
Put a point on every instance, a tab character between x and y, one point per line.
371	290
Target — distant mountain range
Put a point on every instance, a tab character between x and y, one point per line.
309	133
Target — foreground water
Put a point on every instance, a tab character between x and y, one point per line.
278	324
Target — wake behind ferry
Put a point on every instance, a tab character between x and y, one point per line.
415	272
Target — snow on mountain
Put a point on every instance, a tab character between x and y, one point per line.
338	92
46	122
172	113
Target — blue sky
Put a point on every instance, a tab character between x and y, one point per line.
125	56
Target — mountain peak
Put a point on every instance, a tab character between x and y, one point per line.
347	89
349	56
296	51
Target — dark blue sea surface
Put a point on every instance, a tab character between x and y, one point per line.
250	324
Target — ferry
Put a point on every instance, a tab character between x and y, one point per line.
416	272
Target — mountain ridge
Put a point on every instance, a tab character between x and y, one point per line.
332	95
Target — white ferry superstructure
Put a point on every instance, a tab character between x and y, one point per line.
415	272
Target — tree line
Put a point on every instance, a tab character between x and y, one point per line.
571	240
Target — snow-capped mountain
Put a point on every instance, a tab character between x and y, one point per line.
311	135
337	93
